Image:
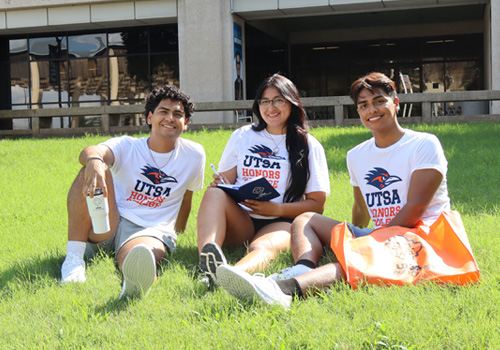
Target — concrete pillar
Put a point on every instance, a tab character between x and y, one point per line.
495	51
206	55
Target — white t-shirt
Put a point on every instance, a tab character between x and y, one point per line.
252	153
149	197
383	174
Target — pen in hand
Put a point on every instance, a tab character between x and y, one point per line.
217	173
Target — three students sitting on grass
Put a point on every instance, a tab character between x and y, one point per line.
408	166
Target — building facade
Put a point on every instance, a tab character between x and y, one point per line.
61	53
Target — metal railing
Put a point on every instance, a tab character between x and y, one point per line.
109	115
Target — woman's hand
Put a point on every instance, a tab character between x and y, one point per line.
229	177
266	208
219	179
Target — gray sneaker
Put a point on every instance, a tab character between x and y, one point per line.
211	258
139	271
242	285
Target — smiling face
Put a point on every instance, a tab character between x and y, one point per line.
377	110
168	120
275	117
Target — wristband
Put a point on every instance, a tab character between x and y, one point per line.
95	157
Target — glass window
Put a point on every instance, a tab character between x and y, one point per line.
264	56
89	80
433	49
134	77
19	82
88	45
464	47
45	92
50	47
130	88
90	68
462	76
413	73
116	40
165	69
164	39
131	41
337	63
18	49
433	77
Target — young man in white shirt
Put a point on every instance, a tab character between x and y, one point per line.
148	183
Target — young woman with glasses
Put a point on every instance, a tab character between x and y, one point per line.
279	148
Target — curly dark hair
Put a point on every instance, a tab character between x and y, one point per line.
171	92
296	134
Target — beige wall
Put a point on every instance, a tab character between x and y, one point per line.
206	55
19	4
82	15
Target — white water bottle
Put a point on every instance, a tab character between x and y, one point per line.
99	211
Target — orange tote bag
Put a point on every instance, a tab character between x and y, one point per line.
399	255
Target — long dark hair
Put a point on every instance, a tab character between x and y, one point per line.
296	135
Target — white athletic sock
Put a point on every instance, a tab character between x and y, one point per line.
76	248
299	269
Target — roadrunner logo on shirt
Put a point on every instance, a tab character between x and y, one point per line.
156	175
382	204
264	152
151	195
380	178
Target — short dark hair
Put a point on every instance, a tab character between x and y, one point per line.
373	81
171	92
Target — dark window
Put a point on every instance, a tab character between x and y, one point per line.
432	64
96	68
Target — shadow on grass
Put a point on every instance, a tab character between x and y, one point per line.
35	272
32	271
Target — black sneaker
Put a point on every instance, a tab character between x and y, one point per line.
211	257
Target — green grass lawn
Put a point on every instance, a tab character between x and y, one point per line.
36	312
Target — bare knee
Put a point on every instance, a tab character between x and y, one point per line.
156	246
266	252
76	186
213	193
214	199
270	248
301	221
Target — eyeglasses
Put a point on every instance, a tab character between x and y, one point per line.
277	102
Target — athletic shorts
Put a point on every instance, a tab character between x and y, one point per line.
260	223
126	231
359	232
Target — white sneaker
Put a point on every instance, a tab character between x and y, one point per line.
290	272
242	285
73	269
139	271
